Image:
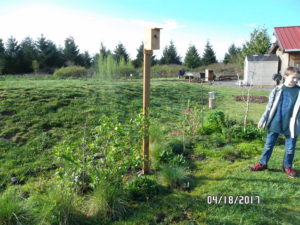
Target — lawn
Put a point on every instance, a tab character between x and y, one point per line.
37	114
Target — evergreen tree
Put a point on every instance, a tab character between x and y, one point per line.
231	56
103	51
139	61
2	55
12	57
120	52
28	55
192	58
170	55
71	52
85	59
209	56
49	57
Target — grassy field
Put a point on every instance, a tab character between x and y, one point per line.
38	113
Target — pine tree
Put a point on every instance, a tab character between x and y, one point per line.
231	56
71	52
49	57
28	55
139	60
12	56
192	58
170	55
209	56
85	59
103	51
120	52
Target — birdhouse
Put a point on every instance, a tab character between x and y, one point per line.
152	38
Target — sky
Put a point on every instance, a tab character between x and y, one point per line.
188	22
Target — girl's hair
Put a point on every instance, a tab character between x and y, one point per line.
291	70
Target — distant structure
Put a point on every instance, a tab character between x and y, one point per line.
285	52
287	47
259	69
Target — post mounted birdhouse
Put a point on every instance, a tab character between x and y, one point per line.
152	38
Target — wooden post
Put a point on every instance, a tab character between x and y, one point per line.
146	100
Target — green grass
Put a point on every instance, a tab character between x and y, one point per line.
37	113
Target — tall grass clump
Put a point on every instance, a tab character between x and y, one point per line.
12	210
55	206
108	201
174	176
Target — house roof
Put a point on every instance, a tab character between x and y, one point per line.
288	38
265	57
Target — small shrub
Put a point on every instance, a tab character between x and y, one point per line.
143	188
165	70
179	160
251	132
174	176
71	72
214	121
250	149
176	145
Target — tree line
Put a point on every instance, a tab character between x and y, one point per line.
44	56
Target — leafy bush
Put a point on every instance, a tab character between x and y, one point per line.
214	121
250	149
71	71
251	132
174	176
11	209
165	70
143	188
114	149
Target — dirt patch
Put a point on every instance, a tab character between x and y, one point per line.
253	99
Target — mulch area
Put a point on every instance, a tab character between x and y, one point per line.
253	99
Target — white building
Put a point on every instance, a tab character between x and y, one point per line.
259	69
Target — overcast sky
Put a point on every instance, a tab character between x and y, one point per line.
187	22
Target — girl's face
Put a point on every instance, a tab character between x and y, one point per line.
291	80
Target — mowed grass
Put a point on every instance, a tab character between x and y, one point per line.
37	114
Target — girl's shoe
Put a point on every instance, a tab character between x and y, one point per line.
291	173
259	167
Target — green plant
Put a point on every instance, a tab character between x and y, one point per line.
143	188
250	149
214	121
71	71
108	200
174	176
12	210
55	206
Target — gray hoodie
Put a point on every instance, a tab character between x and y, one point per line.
271	109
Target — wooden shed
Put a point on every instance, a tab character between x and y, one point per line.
259	69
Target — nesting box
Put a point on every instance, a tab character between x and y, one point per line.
152	38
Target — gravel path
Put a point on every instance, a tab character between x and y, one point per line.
232	84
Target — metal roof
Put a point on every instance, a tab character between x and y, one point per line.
266	57
288	38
